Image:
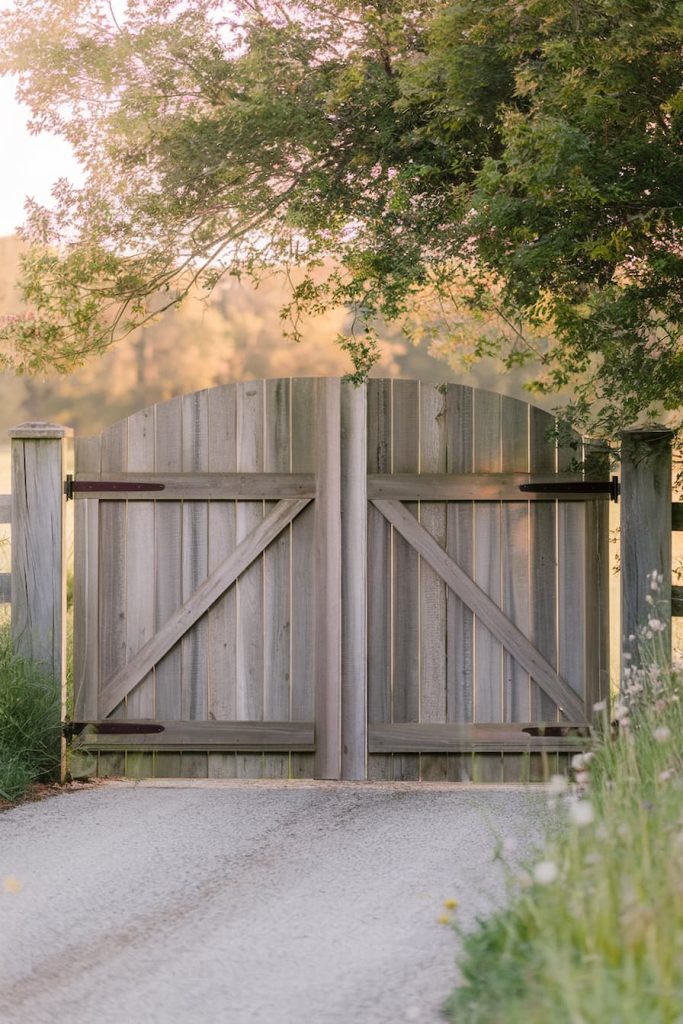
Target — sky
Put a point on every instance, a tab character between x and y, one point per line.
30	164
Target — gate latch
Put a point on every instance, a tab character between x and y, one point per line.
612	487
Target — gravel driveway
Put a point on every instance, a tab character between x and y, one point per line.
246	902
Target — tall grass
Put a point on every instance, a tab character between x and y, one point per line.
593	931
29	723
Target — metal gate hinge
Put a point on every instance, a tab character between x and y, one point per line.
122	486
611	487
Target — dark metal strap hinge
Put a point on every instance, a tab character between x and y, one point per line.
611	487
71	485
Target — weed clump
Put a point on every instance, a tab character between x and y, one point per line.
29	723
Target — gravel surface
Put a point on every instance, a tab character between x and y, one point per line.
246	902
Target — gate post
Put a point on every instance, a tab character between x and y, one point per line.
38	547
645	532
354	515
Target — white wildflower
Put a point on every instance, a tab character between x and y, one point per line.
581	813
649	599
667	774
582	778
546	872
558	784
620	711
656	625
631	638
662	734
579	762
601	705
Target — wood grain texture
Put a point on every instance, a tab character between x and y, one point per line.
209	486
484	608
195	515
328	581
354	520
543	559
405	458
276	569
198	604
303	460
112	569
472	486
168	571
222	652
380	590
399	737
5	508
203	736
86	583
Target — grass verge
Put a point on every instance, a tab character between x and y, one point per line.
29	723
593	931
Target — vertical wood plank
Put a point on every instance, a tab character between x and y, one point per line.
597	594
379	682
354	520
515	567
405	458
194	645
543	522
168	575
222	698
112	590
250	423
303	601
86	583
432	597
276	570
140	578
460	547
328	581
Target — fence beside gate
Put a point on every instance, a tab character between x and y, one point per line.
299	578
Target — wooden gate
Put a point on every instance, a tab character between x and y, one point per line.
299	578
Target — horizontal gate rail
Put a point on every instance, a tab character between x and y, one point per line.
407	738
128	677
521	649
475	487
196	486
245	736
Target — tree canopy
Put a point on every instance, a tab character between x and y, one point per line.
516	165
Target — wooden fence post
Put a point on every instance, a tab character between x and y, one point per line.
38	547
645	533
354	526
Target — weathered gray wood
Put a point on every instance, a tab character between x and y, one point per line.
112	567
405	458
38	589
302	411
123	681
204	736
5	508
222	642
5	587
595	596
543	559
460	548
86	583
455	737
140	619
211	486
276	577
354	520
646	543
488	659
250	397
379	572
328	581
168	568
515	558
474	486
195	553
485	609
432	589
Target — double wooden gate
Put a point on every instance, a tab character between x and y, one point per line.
301	578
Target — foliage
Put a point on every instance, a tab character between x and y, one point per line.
594	929
29	723
505	177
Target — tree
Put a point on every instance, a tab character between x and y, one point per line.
518	164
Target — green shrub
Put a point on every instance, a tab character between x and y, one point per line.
29	723
593	930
